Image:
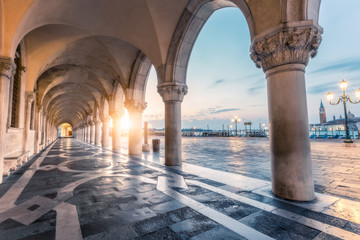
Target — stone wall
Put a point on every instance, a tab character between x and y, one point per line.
14	141
31	142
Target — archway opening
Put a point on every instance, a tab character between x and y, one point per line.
65	130
223	82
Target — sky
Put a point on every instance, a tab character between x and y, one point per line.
223	81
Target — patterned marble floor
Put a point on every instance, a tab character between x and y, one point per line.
73	190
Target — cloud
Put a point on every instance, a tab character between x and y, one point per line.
217	83
343	65
153	117
257	87
321	88
224	110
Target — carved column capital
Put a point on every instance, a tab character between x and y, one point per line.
105	118
135	106
7	67
289	44
29	97
117	114
97	121
172	91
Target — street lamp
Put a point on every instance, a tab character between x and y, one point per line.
236	120
344	98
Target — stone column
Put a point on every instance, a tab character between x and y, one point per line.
135	110
30	97
7	70
87	132
84	133
47	132
43	132
105	142
172	94
283	55
37	129
97	132
116	129
92	132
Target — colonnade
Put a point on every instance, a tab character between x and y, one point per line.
34	120
97	131
281	52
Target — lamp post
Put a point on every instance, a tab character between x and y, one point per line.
265	129
236	120
344	98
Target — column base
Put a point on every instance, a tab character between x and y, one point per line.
349	144
146	148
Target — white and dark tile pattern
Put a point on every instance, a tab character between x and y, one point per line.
77	191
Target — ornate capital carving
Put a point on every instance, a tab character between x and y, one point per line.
7	67
105	118
97	121
172	91
30	97
117	114
286	45
135	106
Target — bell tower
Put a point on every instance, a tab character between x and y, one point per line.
322	113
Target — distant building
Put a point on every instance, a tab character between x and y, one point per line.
322	113
336	124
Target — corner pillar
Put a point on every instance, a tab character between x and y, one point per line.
172	94
135	110
283	55
7	70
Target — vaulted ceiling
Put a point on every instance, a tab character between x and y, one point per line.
83	57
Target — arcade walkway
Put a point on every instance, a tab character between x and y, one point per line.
77	191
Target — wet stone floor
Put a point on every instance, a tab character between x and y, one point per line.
73	190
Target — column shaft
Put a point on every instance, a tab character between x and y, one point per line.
173	153
116	132
105	141
92	133
135	133
98	133
37	131
29	99
289	133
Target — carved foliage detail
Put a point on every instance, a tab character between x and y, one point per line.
7	67
135	106
289	45
172	92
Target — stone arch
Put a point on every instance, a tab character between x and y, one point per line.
105	108
88	21
138	79
192	20
117	99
